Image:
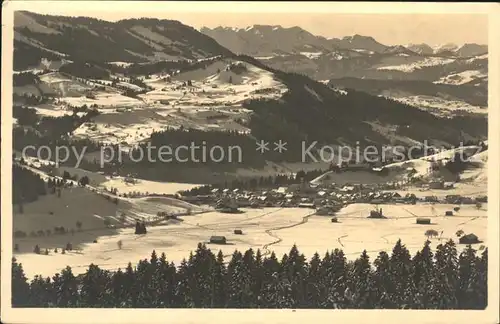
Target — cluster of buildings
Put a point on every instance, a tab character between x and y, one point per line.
325	199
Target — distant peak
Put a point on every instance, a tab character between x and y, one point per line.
358	37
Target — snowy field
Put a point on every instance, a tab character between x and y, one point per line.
440	106
140	185
428	61
269	229
208	98
463	77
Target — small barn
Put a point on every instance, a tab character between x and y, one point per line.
448	213
423	221
377	213
218	239
469	239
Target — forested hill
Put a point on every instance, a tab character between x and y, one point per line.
310	109
88	39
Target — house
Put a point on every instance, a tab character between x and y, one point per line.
347	189
281	190
321	193
243	201
469	239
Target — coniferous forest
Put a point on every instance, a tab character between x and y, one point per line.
440	279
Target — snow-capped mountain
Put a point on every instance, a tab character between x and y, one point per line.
466	50
359	42
265	40
471	50
420	48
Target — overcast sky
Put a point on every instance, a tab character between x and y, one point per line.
446	22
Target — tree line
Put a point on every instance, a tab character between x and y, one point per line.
444	279
26	185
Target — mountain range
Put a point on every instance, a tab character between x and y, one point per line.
261	40
296	50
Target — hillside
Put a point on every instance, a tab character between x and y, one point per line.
439	98
87	39
230	101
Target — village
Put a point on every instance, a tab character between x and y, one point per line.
327	199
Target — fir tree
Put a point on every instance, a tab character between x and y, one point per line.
20	286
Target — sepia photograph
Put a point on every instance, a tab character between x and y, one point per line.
273	162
